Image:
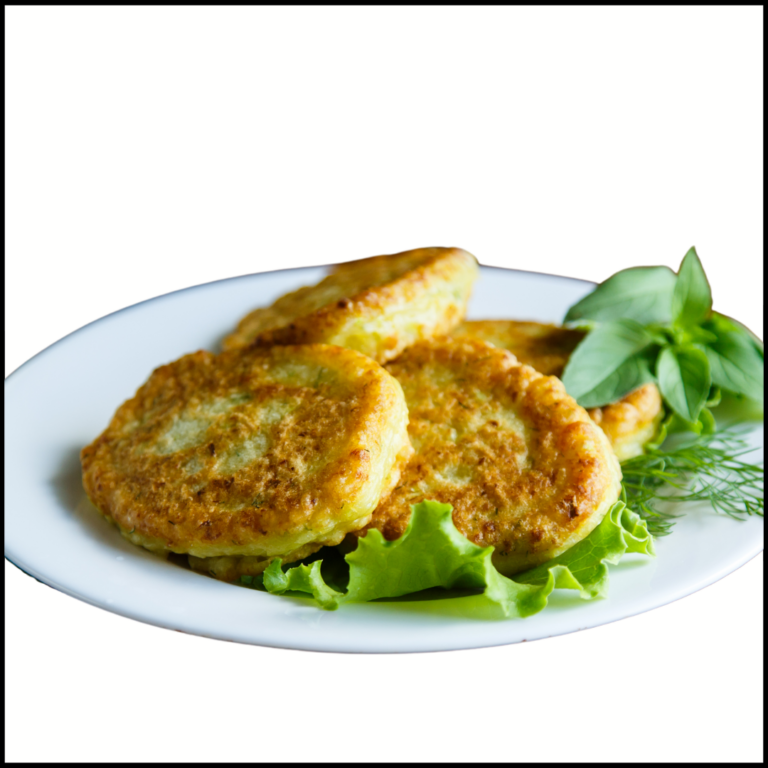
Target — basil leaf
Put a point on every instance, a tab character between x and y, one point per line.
630	375
643	294
718	324
684	380
699	335
736	365
596	370
715	395
707	421
692	297
675	424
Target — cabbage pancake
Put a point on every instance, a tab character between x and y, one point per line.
524	467
378	306
248	455
630	422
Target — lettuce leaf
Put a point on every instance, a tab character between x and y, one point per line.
302	578
432	553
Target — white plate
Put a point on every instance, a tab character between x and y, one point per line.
62	398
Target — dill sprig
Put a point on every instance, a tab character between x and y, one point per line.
706	467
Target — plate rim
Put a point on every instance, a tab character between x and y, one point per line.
724	573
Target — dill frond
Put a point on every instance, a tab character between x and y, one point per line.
702	468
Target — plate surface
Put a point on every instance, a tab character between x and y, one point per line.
63	398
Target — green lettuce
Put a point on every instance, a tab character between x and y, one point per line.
432	553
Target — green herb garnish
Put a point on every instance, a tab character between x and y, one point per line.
650	325
705	467
432	553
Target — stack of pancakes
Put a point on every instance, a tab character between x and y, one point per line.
335	409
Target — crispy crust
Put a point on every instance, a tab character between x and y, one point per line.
251	454
629	423
377	306
544	347
524	467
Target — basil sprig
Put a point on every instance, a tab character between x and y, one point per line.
649	324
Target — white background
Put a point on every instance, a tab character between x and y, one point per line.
153	149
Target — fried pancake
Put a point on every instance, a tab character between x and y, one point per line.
249	455
524	467
377	306
629	423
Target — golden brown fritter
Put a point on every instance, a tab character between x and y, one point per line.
629	423
248	455
377	306
544	347
524	467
